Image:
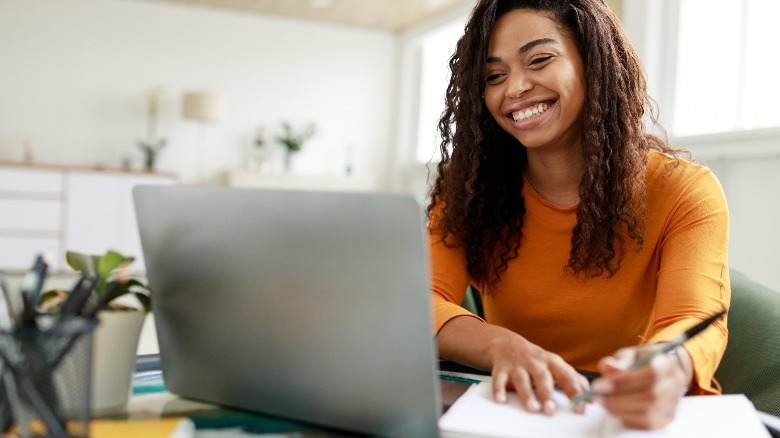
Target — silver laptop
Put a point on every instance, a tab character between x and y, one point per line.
310	306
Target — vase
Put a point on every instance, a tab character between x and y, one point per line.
288	161
292	159
149	162
113	358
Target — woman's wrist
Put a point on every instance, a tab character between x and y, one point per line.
675	354
684	363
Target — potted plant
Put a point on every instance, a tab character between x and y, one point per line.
151	145
293	139
115	339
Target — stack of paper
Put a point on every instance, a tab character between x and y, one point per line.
476	414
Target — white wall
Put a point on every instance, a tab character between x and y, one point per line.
75	75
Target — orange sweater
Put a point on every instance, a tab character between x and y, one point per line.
678	278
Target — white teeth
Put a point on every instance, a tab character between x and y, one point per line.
528	112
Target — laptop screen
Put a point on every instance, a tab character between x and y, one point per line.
311	306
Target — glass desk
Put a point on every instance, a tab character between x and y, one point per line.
150	404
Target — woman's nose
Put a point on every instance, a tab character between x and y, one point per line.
518	84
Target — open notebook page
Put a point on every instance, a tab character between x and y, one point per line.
476	414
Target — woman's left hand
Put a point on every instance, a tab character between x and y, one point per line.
645	397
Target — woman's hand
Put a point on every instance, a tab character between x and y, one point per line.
645	397
532	372
515	362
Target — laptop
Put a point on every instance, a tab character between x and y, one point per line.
309	306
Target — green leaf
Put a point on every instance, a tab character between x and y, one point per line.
135	283
118	290
48	295
57	296
83	263
145	300
105	266
294	139
110	261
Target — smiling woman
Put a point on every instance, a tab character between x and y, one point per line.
588	238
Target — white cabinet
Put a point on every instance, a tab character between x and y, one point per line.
55	209
31	215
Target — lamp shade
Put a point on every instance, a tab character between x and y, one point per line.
204	106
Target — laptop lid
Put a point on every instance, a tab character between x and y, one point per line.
311	306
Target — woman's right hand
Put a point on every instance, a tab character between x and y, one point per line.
516	364
532	372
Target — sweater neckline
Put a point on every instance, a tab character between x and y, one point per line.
551	205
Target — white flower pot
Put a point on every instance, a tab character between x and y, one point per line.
115	342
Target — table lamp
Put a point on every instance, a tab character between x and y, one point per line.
203	107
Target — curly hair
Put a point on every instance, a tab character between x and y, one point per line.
476	196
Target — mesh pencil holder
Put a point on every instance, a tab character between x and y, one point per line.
47	378
5	407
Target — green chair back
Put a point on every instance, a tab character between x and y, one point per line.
751	364
473	302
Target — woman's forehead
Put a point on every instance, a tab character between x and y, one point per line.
520	27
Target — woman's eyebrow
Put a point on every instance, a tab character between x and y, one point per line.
530	45
526	47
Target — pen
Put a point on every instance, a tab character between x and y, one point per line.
73	304
661	349
33	280
7	312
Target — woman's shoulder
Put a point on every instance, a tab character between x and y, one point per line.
674	177
669	169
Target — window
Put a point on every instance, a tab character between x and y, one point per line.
727	67
436	48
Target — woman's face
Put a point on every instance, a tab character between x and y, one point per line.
535	80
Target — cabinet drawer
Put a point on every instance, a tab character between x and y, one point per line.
24	214
44	181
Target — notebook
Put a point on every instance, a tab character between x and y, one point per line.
308	306
477	414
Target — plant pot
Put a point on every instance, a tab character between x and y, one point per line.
290	161
113	358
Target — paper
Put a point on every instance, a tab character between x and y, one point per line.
476	414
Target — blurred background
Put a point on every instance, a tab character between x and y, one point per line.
85	84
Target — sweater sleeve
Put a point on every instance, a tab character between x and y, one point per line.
693	280
449	279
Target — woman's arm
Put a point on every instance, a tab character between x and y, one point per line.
692	284
514	362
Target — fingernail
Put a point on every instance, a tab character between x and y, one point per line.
532	405
603	386
501	397
550	407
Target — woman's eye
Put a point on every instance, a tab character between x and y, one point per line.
541	59
491	78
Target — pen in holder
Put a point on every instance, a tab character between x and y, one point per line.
47	377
